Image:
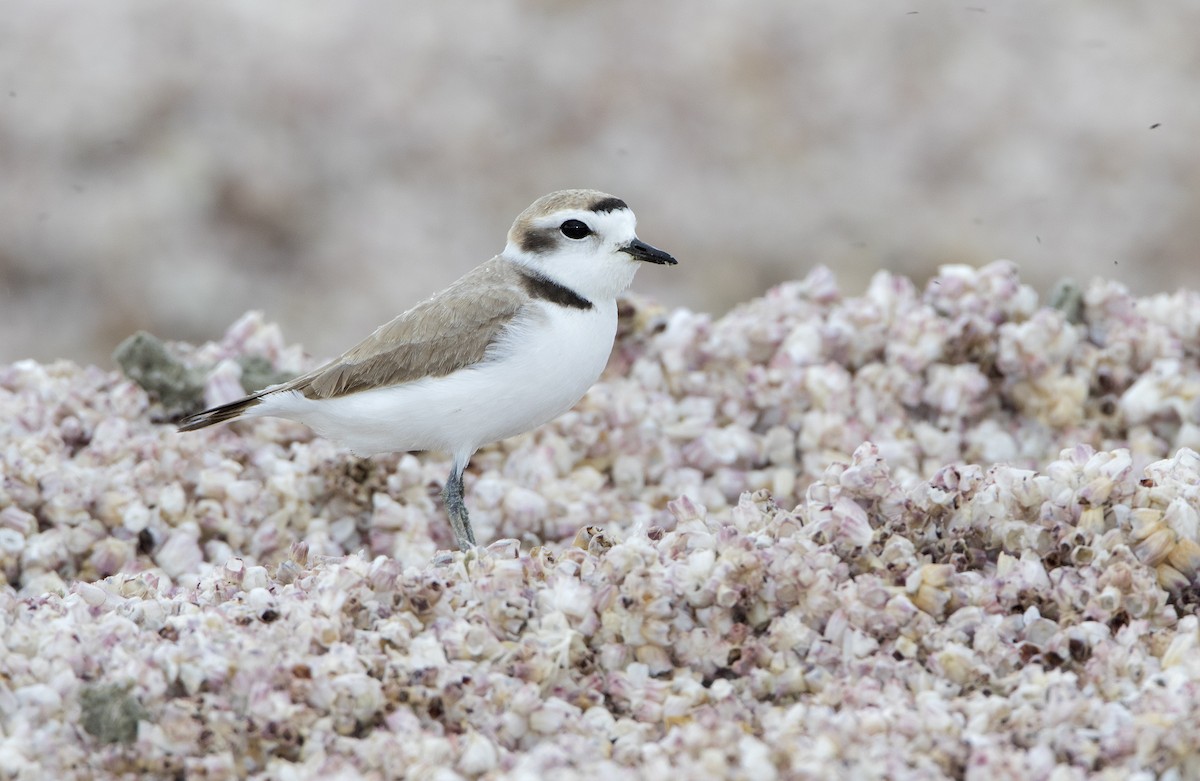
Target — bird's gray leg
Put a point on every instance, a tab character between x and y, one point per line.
452	495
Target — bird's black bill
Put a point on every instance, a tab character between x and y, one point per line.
640	250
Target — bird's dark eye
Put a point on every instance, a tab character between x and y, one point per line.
574	229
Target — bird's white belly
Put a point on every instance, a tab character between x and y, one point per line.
543	367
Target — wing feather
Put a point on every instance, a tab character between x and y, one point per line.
438	336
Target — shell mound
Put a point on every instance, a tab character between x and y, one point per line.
913	534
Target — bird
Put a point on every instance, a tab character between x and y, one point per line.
511	345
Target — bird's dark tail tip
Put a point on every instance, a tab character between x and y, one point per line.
208	417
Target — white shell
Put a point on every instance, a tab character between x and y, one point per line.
895	535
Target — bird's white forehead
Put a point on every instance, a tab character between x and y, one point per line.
615	223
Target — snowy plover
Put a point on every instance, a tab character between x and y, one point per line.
512	345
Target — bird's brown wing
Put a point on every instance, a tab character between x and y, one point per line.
438	336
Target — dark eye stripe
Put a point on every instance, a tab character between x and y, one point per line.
536	241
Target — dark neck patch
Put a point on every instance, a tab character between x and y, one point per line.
549	290
608	205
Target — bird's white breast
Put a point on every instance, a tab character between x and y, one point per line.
543	364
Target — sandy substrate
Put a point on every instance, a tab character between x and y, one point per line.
949	533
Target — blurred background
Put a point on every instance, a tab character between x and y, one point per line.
167	166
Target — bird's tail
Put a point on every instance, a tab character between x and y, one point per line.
208	417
